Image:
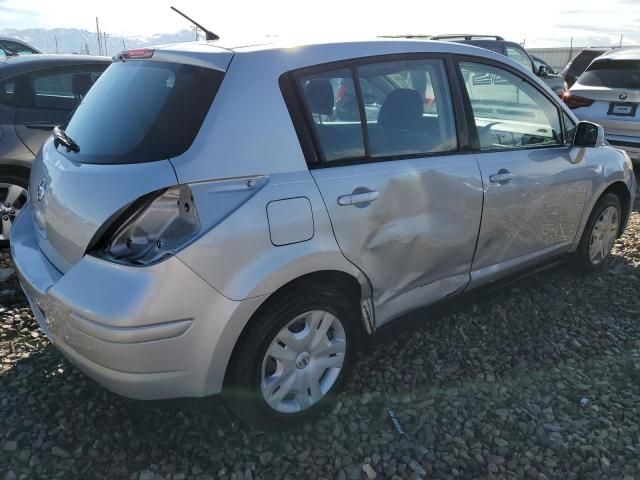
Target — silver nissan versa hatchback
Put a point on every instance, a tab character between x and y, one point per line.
236	220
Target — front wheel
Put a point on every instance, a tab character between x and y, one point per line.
13	196
293	359
600	233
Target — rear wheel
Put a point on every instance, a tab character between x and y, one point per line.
600	233
293	359
13	196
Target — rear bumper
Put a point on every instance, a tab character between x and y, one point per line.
143	332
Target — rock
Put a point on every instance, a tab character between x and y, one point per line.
60	452
6	273
369	471
416	467
10	446
10	475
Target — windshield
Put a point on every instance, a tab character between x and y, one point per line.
142	111
612	74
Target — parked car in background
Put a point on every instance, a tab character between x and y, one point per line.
184	238
37	92
579	64
13	46
608	93
512	50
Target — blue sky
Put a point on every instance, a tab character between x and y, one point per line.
540	22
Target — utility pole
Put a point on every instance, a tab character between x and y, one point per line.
620	41
124	44
106	50
99	38
570	51
55	39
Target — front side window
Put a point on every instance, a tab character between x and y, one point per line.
519	56
509	112
612	74
406	104
569	129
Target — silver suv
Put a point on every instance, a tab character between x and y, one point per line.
238	220
608	92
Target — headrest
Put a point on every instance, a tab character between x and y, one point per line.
319	94
402	109
81	83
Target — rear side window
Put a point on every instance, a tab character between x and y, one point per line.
16	48
408	108
333	107
142	111
403	108
612	74
63	88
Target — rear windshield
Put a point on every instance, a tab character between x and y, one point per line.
582	61
612	74
142	111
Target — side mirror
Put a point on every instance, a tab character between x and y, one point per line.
589	135
544	71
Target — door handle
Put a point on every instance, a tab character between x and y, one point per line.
358	198
40	125
502	177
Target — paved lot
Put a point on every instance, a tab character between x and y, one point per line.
540	379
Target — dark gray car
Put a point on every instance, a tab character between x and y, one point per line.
37	92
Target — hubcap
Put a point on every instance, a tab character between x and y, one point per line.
603	235
303	361
13	197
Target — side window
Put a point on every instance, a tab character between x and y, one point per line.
408	108
519	56
569	129
62	89
16	48
333	107
509	112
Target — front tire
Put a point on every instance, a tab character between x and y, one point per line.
293	359
600	233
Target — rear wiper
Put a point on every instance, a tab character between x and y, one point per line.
61	138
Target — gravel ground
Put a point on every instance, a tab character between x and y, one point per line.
540	379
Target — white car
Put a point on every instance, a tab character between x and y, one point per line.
608	93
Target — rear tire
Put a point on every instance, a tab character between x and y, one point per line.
600	232
293	359
14	184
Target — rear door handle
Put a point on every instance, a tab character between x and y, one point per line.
502	177
40	125
358	198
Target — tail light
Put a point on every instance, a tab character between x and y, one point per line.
136	54
575	101
157	226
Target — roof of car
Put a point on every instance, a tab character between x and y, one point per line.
625	53
290	54
19	64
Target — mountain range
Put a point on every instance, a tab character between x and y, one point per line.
74	40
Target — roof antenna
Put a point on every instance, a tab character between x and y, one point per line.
209	35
